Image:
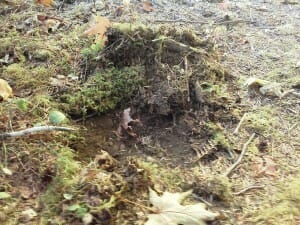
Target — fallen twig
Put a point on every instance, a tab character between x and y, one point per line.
236	131
180	21
187	75
34	130
248	188
230	169
203	22
202	199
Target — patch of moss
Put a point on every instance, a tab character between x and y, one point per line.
128	27
284	208
105	90
262	120
218	136
21	76
67	176
164	177
220	186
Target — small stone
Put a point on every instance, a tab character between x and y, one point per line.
87	219
28	214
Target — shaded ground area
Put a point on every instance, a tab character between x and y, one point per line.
157	107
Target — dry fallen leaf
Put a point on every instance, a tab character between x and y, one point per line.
147	6
171	212
99	27
265	167
5	90
119	11
25	192
46	3
270	168
125	120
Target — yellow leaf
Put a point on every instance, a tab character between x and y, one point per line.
99	27
5	90
46	3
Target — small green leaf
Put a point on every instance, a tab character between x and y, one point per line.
73	207
4	195
68	196
56	117
22	104
80	212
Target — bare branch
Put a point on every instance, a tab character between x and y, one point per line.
34	130
236	131
248	188
230	169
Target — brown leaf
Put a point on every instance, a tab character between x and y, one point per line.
46	3
99	27
270	168
265	167
119	11
44	17
125	120
5	90
147	6
41	17
25	192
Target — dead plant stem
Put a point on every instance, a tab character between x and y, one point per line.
236	131
248	188
137	204
230	169
34	130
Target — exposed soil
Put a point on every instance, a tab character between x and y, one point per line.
191	74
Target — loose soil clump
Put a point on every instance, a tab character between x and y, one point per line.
184	99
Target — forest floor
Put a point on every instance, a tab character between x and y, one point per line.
171	97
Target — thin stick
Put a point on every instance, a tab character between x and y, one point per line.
187	74
236	131
203	200
248	188
230	169
137	204
34	130
201	22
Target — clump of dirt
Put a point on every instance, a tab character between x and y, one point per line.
180	70
184	99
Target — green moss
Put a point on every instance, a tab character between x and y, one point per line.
67	176
218	136
128	27
93	50
22	76
171	179
105	90
39	106
220	186
262	120
284	208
